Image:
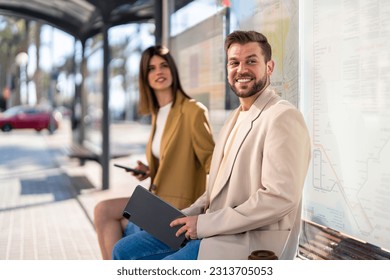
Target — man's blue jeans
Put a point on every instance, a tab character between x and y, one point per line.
140	245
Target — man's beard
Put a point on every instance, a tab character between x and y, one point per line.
257	87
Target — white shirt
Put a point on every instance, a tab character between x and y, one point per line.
232	134
161	120
228	145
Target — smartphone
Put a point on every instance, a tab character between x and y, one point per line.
129	169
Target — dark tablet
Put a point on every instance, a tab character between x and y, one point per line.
154	215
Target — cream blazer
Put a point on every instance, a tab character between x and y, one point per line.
257	203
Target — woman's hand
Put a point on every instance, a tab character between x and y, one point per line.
144	168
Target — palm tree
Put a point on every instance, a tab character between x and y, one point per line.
14	39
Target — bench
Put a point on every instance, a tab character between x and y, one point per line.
84	153
321	243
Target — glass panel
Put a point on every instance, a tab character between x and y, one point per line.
93	90
199	31
345	88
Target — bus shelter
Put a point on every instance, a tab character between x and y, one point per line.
86	18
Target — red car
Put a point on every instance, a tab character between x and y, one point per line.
32	117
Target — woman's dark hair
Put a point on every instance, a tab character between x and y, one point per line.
148	102
244	37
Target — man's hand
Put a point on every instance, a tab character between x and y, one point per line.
189	226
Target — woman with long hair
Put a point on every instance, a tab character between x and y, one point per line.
178	152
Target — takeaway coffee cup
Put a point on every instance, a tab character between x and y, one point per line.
262	255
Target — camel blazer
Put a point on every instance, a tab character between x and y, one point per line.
256	202
185	153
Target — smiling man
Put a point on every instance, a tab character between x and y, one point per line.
253	197
248	70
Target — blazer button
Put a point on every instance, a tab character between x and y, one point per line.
153	189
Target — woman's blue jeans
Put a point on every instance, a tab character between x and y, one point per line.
140	245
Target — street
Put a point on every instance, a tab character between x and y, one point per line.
47	199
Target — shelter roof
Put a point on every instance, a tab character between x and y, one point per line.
83	18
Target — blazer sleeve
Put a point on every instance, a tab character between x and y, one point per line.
286	154
202	138
198	207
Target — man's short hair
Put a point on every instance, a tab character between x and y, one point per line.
244	37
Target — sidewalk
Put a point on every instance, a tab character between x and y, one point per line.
47	199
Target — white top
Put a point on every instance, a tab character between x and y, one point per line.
229	143
162	116
232	134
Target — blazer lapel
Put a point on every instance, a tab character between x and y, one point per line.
242	133
219	150
149	155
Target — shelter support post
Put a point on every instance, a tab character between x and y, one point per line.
105	160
